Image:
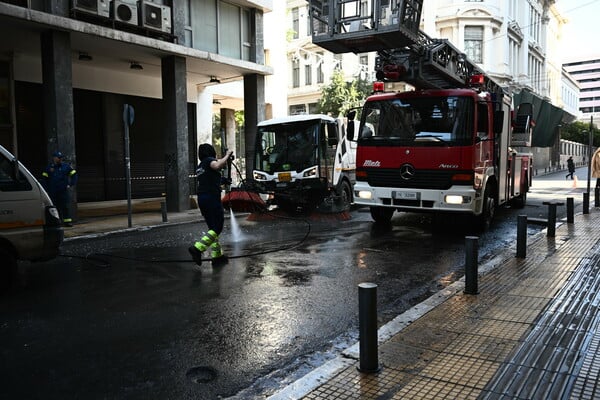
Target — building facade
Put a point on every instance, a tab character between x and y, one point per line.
587	74
69	67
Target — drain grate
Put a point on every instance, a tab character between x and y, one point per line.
201	374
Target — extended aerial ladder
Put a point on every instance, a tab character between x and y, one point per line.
391	28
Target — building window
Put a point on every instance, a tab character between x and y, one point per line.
474	43
221	28
536	73
308	74
514	55
320	74
307	19
338	61
297	109
295	73
363	63
535	23
296	22
363	59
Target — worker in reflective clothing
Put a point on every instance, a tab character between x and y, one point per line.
58	178
208	188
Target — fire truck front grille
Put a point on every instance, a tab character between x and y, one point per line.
422	179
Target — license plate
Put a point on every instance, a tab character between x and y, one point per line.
407	195
284	177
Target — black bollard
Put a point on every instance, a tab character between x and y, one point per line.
586	203
367	324
597	196
551	225
570	210
471	256
163	210
521	236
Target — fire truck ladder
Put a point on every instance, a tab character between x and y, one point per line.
391	28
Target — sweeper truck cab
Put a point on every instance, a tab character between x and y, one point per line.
305	162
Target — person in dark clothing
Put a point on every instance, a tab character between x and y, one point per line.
208	179
570	167
58	179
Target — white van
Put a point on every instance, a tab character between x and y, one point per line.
30	227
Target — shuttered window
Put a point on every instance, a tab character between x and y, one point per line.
474	43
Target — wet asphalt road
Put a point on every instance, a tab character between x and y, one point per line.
129	316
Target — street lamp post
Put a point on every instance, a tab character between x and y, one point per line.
589	158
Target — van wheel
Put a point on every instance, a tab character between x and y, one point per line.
8	271
382	215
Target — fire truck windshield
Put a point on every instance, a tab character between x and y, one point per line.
287	147
418	121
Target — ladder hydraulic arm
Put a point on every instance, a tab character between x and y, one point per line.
391	28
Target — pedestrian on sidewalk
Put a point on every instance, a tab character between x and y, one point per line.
570	167
208	190
59	179
596	166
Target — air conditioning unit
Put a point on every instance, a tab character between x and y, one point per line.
125	11
100	8
155	16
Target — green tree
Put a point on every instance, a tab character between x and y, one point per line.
339	96
578	131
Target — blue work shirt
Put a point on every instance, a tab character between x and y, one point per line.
57	177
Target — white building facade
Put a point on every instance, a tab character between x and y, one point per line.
587	74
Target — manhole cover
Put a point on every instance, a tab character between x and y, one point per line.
201	374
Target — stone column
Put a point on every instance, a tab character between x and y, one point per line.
254	112
204	115
228	124
254	91
57	93
177	163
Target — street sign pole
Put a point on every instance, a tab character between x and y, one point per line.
128	117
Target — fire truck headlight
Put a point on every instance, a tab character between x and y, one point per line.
309	173
364	194
259	177
455	199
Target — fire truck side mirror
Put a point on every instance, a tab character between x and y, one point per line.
350	129
332	134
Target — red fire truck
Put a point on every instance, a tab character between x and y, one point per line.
446	147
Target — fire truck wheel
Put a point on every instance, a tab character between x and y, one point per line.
484	220
382	215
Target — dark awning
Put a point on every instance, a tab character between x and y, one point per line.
547	118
